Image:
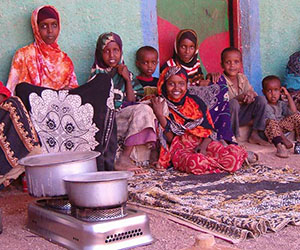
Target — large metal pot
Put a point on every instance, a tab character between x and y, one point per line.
44	172
102	189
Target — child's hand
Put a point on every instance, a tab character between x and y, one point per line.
284	91
157	104
213	77
124	72
249	97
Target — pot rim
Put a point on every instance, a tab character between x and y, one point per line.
40	160
101	176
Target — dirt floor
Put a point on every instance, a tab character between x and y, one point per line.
167	234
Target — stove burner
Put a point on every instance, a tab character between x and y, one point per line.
99	214
57	204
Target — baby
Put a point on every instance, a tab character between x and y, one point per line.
146	62
245	105
281	116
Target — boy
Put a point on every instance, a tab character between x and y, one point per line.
146	62
281	116
244	103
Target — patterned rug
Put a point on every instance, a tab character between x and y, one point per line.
249	203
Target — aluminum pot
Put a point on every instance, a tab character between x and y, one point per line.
44	172
102	189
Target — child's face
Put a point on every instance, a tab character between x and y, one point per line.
111	54
272	91
49	30
176	87
232	63
147	63
186	50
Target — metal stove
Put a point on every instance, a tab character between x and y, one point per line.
88	228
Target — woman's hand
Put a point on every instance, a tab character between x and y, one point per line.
213	77
157	105
124	72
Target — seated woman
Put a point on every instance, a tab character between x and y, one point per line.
135	122
213	92
187	130
42	63
292	78
17	136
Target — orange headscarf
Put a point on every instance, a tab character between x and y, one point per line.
41	64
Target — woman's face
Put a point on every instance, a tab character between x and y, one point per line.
111	54
49	30
176	87
186	50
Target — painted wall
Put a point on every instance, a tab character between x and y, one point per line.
81	24
270	33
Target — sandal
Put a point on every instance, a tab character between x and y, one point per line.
156	166
252	157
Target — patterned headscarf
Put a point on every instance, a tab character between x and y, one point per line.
103	40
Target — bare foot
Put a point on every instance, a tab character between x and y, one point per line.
124	163
281	151
286	142
255	139
158	167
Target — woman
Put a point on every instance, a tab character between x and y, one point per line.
17	136
188	128
135	122
215	95
42	63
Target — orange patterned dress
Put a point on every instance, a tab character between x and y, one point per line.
41	64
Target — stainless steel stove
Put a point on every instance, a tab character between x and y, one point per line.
88	228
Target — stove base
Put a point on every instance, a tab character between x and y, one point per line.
61	228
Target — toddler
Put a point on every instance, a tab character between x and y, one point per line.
281	116
245	105
146	62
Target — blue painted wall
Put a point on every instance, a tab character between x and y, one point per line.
81	24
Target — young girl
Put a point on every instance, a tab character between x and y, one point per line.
245	104
42	63
187	130
281	116
135	122
213	92
17	136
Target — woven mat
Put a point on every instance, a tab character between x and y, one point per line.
249	203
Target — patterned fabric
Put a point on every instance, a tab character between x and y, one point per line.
246	204
191	122
278	111
41	64
100	67
193	68
243	86
276	128
216	98
80	119
17	138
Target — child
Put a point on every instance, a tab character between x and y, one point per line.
43	63
245	105
135	122
146	62
281	116
185	133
